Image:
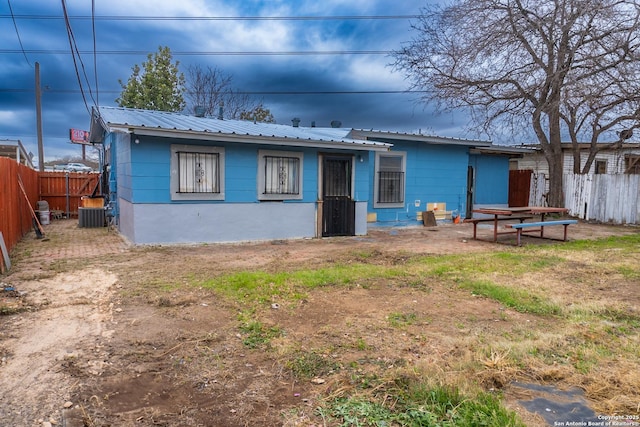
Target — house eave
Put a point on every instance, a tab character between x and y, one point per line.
391	137
252	139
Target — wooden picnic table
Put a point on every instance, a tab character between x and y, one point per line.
520	213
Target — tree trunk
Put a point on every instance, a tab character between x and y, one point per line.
553	153
555	197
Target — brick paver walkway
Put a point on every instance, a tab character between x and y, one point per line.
65	240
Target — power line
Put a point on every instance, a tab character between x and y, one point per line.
210	53
72	44
95	54
219	18
269	92
17	32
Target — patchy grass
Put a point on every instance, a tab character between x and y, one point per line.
417	405
518	299
400	320
540	317
311	364
261	287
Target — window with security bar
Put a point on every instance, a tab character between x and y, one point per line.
280	175
197	172
390	180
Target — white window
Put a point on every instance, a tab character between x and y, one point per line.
390	179
601	167
279	175
197	172
632	164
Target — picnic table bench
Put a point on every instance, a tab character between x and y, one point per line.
499	214
475	221
520	228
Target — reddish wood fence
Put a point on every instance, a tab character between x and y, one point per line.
15	216
519	184
63	191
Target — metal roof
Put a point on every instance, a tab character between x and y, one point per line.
386	136
13	149
176	125
587	145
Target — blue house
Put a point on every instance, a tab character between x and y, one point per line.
175	178
423	171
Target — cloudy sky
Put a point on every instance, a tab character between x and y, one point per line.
289	63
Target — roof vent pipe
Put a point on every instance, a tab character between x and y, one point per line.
221	111
336	123
313	124
296	122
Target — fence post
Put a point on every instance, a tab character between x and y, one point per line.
66	175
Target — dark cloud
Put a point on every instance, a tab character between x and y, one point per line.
64	107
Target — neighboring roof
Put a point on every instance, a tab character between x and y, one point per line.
15	150
176	125
510	150
390	137
587	145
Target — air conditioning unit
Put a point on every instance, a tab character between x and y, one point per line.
91	217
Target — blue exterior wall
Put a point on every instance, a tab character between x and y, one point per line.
148	215
491	181
149	181
434	174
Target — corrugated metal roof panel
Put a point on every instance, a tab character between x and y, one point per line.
419	137
118	117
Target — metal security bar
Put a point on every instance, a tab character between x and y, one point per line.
198	172
338	217
337	178
390	187
281	175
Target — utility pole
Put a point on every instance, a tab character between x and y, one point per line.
39	119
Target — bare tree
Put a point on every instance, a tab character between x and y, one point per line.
206	89
561	68
211	89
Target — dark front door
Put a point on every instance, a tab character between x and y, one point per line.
470	177
338	209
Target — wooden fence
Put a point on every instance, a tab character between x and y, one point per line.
611	198
15	215
63	192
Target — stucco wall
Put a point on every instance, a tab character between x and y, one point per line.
216	223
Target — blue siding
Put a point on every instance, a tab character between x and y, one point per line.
123	171
309	176
145	171
434	173
491	179
240	173
363	181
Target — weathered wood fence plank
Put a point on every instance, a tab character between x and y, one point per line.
611	198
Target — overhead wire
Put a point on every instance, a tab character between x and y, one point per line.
242	92
93	17
75	52
95	55
212	53
222	18
15	25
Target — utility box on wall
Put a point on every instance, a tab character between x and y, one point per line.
91	217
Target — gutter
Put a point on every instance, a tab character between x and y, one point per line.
352	144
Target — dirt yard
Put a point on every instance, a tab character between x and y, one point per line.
99	333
